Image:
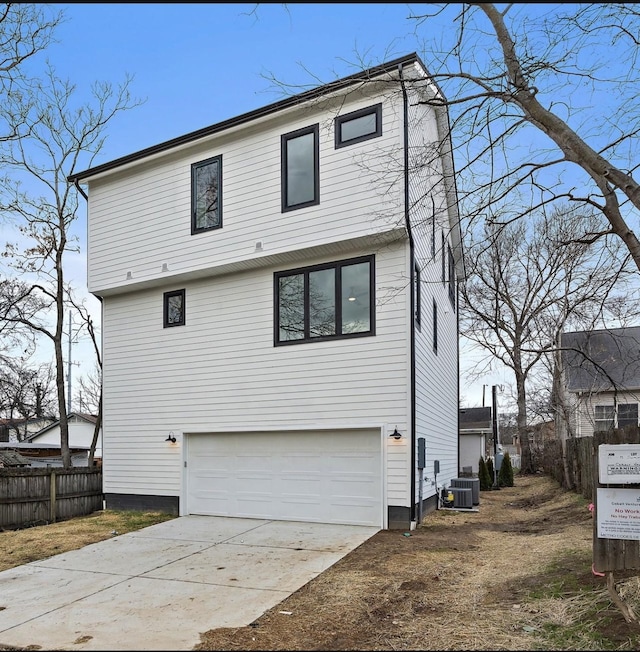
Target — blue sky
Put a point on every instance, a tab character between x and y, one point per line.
198	64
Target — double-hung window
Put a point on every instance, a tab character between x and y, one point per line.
206	195
627	414
333	300
358	126
604	417
300	160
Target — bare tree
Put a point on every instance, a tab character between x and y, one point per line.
25	30
56	137
527	281
543	100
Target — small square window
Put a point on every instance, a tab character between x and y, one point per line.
357	126
174	308
206	195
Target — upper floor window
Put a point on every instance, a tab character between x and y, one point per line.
333	300
416	294
206	195
174	308
604	417
300	168
357	126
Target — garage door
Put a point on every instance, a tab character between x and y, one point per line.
325	477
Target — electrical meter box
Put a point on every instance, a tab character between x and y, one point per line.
619	463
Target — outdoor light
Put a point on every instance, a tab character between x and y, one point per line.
171	438
395	434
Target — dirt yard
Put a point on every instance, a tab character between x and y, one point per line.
516	575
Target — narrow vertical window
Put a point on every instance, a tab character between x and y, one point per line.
444	259
435	327
174	308
300	168
416	293
206	195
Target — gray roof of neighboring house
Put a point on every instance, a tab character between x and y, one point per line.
602	360
474	418
11	458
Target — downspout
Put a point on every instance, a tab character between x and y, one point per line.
76	183
405	115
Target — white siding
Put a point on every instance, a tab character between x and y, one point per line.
436	373
140	216
587	401
221	372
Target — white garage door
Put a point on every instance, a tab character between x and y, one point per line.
325	477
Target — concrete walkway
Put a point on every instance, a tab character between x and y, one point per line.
160	587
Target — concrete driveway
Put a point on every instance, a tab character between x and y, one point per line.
160	587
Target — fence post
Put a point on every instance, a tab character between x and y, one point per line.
52	496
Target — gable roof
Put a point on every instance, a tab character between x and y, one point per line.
601	360
80	416
474	418
293	100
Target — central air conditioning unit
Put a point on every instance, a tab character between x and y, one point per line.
469	483
462	497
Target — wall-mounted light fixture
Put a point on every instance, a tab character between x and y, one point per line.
171	438
395	434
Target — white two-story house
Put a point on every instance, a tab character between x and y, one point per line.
279	325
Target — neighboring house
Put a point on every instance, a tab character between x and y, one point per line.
476	429
19	429
600	380
81	429
279	296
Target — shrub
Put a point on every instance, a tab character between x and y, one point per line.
483	474
491	470
505	475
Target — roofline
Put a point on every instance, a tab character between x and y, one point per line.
269	109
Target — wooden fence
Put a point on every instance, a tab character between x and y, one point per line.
33	496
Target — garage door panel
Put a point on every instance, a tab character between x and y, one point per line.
307	476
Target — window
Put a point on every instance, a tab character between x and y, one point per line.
444	260
334	300
604	416
206	195
452	277
174	308
416	293
435	327
300	168
357	126
627	414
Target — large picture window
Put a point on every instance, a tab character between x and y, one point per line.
327	301
300	168
206	195
357	126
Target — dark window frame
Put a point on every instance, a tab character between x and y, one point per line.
628	407
194	170
165	308
337	266
284	184
375	109
417	295
435	327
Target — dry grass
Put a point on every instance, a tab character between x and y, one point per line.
32	544
514	576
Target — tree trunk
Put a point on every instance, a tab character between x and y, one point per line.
96	432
